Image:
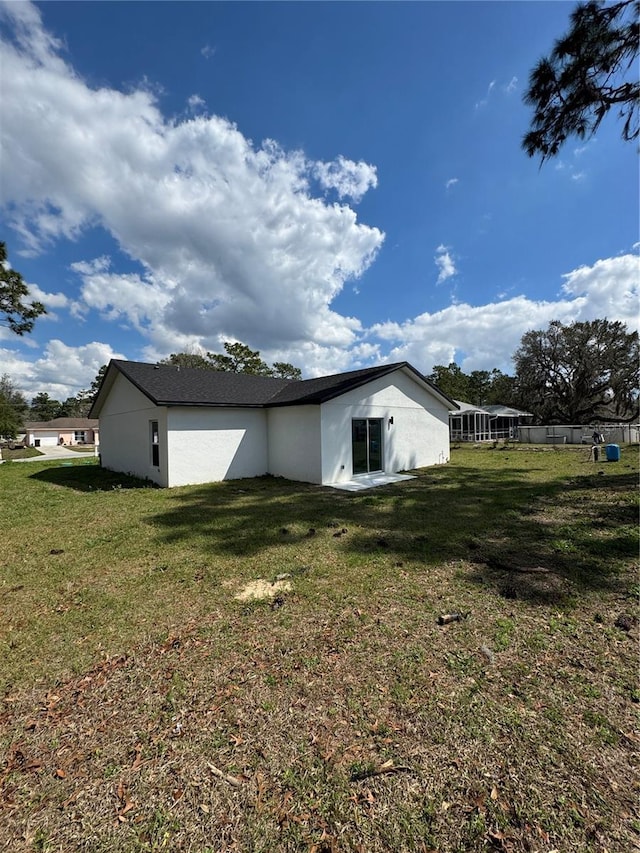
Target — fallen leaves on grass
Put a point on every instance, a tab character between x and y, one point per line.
124	802
388	767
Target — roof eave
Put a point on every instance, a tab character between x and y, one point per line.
107	383
324	397
209	405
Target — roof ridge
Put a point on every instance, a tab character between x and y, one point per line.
173	385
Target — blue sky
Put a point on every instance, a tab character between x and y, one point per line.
334	184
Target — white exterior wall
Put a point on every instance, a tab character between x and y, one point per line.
418	437
206	445
307	443
125	437
294	443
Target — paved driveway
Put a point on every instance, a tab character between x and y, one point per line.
58	452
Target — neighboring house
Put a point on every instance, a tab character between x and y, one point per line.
486	423
179	426
62	431
505	421
469	423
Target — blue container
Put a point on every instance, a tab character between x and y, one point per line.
613	452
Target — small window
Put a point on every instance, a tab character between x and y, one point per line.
79	436
155	445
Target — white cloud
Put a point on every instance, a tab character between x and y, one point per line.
230	241
51	301
507	88
129	298
349	179
61	371
568	169
451	183
208	51
483	103
486	336
226	237
195	103
608	289
571	167
445	264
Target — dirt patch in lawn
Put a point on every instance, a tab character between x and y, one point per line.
260	589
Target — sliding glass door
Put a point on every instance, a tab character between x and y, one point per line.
366	443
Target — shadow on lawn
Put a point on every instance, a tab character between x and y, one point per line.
87	476
535	542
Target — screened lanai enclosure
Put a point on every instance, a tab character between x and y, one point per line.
472	423
469	423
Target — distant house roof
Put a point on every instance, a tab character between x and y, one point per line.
167	385
467	408
507	412
63	424
495	411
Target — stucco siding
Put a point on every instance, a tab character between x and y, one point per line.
125	433
206	445
418	437
311	443
294	443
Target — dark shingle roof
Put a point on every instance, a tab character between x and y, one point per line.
327	387
63	423
166	385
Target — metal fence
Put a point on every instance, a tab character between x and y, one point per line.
581	434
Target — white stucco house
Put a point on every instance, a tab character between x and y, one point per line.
182	426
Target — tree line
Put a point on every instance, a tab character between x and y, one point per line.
237	358
15	411
585	372
581	373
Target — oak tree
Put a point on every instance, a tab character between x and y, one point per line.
580	373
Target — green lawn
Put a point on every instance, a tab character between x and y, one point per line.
19	453
342	716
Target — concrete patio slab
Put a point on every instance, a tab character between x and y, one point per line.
370	481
